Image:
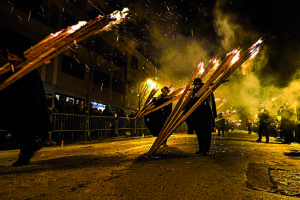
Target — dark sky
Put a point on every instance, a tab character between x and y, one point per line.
277	22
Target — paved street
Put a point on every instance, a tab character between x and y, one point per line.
236	168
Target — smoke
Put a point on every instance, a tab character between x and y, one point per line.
257	83
183	43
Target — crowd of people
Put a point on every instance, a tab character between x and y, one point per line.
69	107
284	124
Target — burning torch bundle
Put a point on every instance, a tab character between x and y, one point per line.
59	42
214	75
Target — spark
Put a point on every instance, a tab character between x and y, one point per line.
12	68
29	15
20	17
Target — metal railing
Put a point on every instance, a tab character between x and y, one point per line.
67	124
98	125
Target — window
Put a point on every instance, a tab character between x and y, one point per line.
119	58
118	86
101	78
73	67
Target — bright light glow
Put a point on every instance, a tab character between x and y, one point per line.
254	49
201	65
151	84
217	99
236	56
52	35
75	27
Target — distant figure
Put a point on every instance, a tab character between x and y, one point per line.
249	126
220	124
287	124
263	124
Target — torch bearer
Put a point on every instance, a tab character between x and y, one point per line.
228	66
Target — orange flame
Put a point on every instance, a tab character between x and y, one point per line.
255	49
236	56
75	27
201	65
151	84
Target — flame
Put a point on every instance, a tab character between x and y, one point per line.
77	26
236	56
151	84
52	35
254	49
215	63
201	65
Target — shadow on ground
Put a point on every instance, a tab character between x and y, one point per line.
162	153
68	163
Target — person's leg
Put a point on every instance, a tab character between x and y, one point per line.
267	134
28	146
260	129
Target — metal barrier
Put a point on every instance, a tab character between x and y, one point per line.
67	122
98	125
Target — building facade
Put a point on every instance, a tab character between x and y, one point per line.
107	67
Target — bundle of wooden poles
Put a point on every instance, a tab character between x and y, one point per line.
59	42
226	115
214	75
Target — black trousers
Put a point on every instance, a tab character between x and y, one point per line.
204	133
263	128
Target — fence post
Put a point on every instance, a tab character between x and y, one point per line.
135	127
86	128
117	127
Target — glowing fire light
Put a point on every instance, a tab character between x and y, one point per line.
236	56
52	35
75	27
255	49
151	84
201	65
217	99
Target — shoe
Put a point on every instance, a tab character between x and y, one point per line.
21	162
203	154
198	152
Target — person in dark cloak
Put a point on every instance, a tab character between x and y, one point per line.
156	120
23	104
202	120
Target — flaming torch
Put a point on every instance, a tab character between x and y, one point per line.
59	42
231	62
